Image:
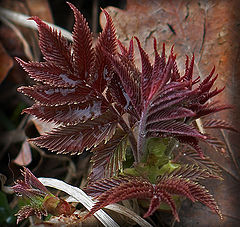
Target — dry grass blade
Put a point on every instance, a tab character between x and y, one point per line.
124	211
22	19
81	197
230	151
128	213
18	33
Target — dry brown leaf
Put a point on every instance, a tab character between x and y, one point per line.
41	9
6	63
24	157
26	36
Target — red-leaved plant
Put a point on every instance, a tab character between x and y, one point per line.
103	102
37	199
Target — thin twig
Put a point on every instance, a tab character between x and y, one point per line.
230	216
22	19
230	151
228	172
94	17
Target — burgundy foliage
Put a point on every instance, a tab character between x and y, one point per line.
30	188
39	201
98	96
218	123
205	163
180	182
30	185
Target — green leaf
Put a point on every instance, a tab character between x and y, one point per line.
155	155
157	146
155	162
168	168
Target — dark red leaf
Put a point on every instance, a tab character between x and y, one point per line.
188	76
121	190
128	53
180	182
164	197
173	128
146	72
96	188
117	95
159	63
192	142
169	114
203	110
205	163
83	53
154	204
181	185
68	114
218	123
75	138
217	144
54	47
130	86
48	73
48	95
107	41
170	99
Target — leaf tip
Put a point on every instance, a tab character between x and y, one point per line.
36	19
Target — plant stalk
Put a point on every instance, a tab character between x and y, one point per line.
132	140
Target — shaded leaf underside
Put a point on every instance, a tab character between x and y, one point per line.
205	163
108	157
68	114
218	123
